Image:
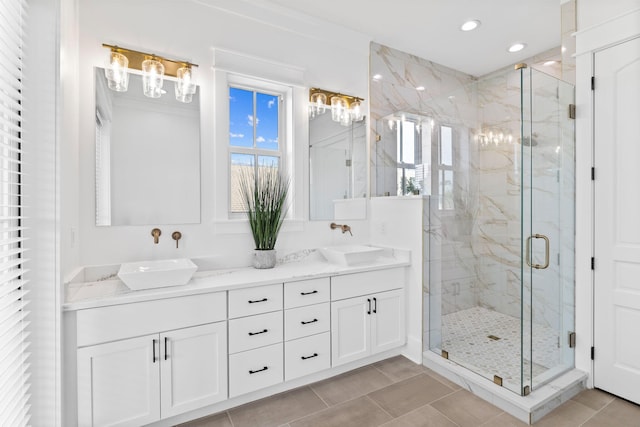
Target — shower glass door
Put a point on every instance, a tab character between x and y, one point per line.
500	235
548	195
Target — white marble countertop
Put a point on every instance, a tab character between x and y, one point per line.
106	289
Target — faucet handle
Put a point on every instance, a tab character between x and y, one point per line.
346	228
176	235
156	235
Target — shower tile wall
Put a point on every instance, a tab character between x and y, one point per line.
475	250
395	91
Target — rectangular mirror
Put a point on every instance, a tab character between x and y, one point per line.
337	162
147	156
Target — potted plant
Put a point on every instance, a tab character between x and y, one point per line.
265	198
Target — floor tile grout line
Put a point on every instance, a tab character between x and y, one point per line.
230	419
383	410
314	412
398	380
319	397
420	407
596	413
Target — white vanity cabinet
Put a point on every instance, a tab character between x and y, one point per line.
367	314
255	338
141	362
307	321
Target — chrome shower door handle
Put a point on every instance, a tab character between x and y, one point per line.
546	252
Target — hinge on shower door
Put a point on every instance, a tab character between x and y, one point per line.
572	339
572	111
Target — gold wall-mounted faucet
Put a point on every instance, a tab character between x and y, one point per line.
343	227
156	235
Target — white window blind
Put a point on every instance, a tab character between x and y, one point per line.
14	375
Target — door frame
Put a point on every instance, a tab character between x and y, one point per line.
588	42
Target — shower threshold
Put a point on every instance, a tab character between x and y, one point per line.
528	409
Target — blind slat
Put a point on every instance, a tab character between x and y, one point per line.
11	276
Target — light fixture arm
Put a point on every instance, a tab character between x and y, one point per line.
349	98
136	58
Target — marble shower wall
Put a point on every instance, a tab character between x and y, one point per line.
473	251
394	92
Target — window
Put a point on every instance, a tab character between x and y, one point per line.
255	129
413	153
14	386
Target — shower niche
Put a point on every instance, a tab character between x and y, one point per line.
499	228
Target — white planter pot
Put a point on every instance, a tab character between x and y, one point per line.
264	258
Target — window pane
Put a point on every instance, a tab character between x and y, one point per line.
446	146
268	161
241	165
447	185
408	142
240	117
267	121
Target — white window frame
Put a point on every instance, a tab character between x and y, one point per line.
226	222
283	93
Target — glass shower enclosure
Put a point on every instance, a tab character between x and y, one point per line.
499	264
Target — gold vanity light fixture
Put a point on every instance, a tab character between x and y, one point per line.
153	68
344	108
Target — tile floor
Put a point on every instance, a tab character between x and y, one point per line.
398	393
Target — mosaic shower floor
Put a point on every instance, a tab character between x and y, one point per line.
488	343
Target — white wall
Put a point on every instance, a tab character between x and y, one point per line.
397	222
594	12
42	128
192	30
596	30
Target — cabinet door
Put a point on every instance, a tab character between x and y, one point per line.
119	383
387	321
193	367
350	337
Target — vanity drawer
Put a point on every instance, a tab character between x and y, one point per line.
257	300
306	292
304	321
116	322
370	282
307	355
251	332
255	369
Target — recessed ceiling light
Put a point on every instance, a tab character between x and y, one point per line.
470	25
377	77
516	47
420	88
549	63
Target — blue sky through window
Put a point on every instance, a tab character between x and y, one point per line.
242	120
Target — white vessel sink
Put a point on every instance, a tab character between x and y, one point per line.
350	254
156	274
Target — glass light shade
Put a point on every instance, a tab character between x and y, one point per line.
338	108
185	88
152	78
318	103
116	72
356	111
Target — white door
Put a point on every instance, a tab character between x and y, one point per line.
387	321
350	330
193	367
119	383
617	220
